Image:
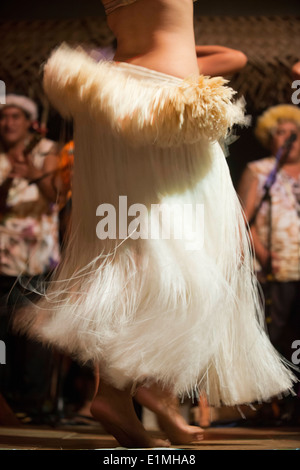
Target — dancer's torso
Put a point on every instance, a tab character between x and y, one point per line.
156	34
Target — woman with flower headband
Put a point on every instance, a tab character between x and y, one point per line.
177	311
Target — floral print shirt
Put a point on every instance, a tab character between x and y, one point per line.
285	239
29	242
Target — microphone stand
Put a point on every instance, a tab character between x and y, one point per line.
281	157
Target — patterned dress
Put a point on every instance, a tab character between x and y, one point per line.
283	294
29	224
285	239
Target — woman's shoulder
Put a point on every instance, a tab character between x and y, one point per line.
262	166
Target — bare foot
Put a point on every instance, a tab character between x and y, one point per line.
165	406
114	409
85	410
204	422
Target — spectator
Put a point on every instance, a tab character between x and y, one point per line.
276	228
29	245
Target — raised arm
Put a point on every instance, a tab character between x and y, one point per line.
219	60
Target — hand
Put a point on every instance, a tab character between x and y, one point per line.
296	71
23	167
264	260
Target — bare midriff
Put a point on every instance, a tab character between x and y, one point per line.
156	34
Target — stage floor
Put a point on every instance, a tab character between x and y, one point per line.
93	437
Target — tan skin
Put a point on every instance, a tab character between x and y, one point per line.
248	185
296	71
146	33
155	27
14	135
219	60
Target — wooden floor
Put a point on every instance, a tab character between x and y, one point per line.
93	437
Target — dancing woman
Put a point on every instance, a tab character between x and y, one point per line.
178	312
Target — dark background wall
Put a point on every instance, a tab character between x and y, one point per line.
37	9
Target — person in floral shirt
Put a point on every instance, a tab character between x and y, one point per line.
28	204
30	198
276	227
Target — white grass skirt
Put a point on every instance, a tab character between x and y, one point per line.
182	312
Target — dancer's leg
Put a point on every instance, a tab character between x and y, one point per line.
166	407
114	409
204	411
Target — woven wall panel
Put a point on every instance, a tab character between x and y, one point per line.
272	45
27	44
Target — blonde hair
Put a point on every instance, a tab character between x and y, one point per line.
270	119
